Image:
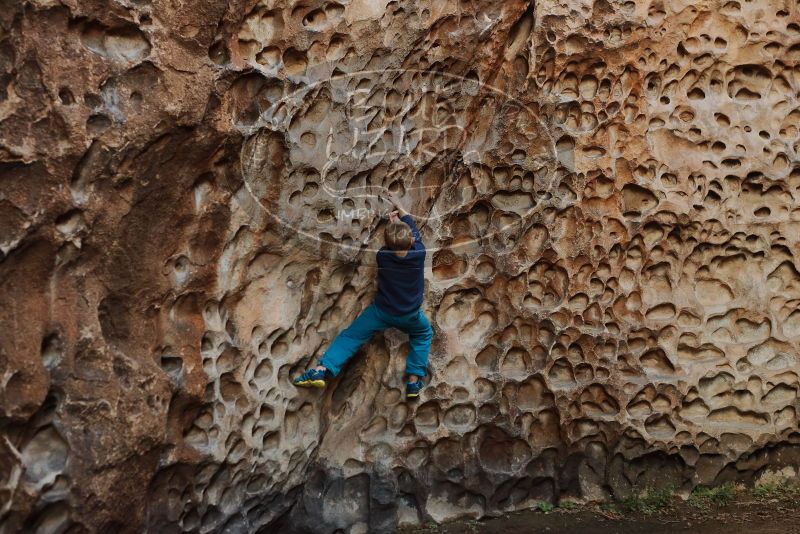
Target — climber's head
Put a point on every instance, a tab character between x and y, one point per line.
398	236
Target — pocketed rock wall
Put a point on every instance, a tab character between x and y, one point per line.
189	212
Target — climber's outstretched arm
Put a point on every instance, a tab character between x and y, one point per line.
398	204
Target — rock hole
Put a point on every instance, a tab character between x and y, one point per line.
52	350
295	62
218	53
97	124
66	96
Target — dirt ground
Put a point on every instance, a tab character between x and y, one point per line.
743	513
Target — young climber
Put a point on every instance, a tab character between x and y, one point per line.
401	278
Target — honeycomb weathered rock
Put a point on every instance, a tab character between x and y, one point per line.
189	213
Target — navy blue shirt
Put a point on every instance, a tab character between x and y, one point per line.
401	280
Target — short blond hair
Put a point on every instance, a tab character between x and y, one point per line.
398	236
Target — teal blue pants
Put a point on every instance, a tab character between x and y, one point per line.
373	320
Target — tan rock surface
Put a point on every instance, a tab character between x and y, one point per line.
189	213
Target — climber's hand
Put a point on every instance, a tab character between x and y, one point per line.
394	198
394	216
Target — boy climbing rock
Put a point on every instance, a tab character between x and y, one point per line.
401	279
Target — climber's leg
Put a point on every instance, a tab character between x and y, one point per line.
350	339
420	335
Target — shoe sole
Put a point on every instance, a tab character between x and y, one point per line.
412	395
311	384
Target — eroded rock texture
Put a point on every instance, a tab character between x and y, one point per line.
188	216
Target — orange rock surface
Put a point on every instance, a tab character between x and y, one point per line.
190	206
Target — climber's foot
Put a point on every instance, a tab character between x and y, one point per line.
313	378
413	389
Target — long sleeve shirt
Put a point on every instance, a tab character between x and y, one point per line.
401	280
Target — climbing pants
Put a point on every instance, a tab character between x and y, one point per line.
373	320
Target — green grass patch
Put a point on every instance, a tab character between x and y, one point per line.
707	498
544	507
649	502
783	490
568	505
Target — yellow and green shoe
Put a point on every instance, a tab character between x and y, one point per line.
310	379
413	389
